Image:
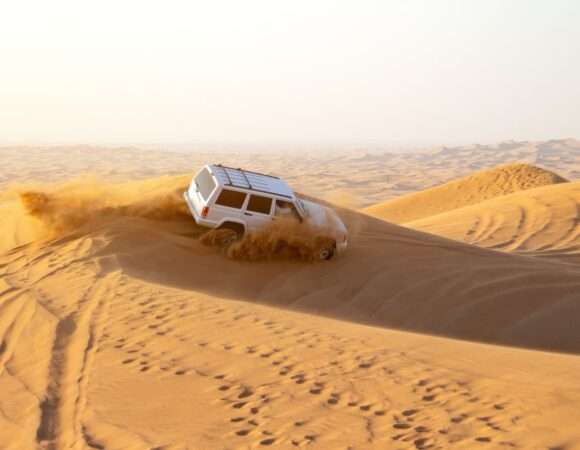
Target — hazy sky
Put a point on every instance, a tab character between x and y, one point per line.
289	72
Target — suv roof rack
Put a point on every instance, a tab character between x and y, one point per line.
247	171
254	181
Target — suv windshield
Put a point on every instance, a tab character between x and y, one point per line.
303	210
284	208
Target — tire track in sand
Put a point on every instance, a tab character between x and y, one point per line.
73	351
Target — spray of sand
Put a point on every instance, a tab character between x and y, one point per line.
86	204
285	239
64	208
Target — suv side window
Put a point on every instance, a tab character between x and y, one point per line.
260	204
233	199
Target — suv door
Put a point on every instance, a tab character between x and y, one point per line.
258	211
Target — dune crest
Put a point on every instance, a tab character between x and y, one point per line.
465	191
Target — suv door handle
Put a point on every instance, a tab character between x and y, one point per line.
247	214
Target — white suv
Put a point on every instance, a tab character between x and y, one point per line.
222	197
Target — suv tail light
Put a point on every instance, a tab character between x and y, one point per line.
205	211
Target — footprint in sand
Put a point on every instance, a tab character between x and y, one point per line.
246	392
315	390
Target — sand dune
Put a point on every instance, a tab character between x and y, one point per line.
371	286
540	222
120	330
466	191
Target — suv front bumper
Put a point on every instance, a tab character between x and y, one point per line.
341	247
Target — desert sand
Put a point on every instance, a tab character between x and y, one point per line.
120	330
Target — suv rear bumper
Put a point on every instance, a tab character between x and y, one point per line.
198	219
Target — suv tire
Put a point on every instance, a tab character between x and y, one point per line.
324	254
325	248
236	231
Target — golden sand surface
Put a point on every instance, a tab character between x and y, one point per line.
120	330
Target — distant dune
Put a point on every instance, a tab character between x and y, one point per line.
544	221
466	191
354	178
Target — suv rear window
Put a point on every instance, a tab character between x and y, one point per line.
233	199
205	183
260	204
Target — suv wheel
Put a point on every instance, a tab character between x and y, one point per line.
324	254
231	232
326	247
229	237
